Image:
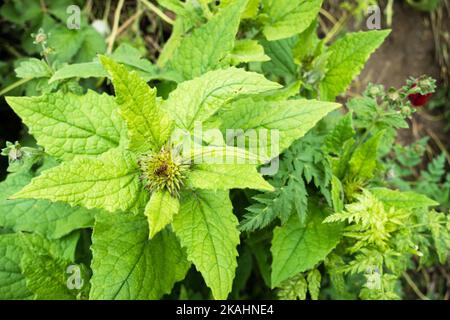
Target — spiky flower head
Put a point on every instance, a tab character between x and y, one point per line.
163	171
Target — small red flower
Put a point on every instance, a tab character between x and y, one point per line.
419	100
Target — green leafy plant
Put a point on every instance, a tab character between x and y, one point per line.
382	229
224	159
104	167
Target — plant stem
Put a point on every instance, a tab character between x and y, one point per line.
414	287
43	6
328	15
128	22
337	28
106	11
88	8
14	85
389	12
12	50
115	26
157	11
45	55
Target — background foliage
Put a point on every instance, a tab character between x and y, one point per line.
357	210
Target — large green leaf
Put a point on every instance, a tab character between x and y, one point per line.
364	160
127	265
207	228
75	45
33	68
79	70
291	119
346	59
281	62
93	44
299	247
50	219
12	282
198	154
199	99
342	131
130	56
109	182
33	267
226	176
148	126
286	18
124	54
68	42
44	265
208	45
247	51
68	125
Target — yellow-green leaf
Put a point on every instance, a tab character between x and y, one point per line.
160	211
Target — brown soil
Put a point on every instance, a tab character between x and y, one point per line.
409	50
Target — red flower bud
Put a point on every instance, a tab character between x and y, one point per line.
419	100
